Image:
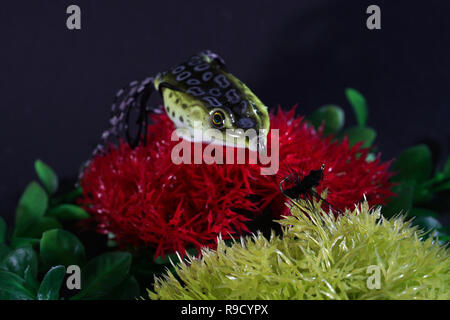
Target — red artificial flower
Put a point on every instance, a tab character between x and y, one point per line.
144	199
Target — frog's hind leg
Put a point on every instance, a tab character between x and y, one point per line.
135	97
132	98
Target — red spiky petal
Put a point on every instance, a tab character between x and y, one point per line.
146	200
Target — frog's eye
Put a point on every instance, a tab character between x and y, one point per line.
218	119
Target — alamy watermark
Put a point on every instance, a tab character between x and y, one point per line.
73	21
374	280
74	279
373	22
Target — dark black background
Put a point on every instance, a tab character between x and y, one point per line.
56	85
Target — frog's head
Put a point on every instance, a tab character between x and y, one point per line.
201	94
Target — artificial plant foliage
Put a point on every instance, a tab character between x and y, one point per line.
34	256
318	256
20	261
31	209
39	209
103	273
13	287
331	117
59	247
418	186
28	273
47	176
51	284
359	105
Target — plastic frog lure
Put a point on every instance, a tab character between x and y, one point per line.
197	94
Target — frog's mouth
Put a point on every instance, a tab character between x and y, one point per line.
236	138
252	139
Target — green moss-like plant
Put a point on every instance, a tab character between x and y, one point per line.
318	258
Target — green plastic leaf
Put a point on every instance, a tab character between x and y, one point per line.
442	187
444	238
359	104
127	290
20	242
68	212
12	287
51	284
47	176
422	194
358	134
40	226
445	229
446	171
4	250
70	196
31	282
32	206
144	268
402	203
18	260
442	179
414	164
59	247
331	116
2	230
103	273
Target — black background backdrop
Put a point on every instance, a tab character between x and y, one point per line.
56	85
